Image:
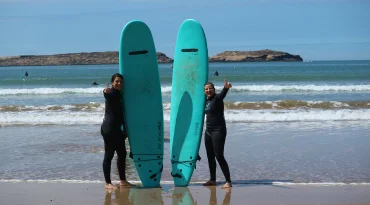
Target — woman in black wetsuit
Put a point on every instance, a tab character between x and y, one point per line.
114	137
215	134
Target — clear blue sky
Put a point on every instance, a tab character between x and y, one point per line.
314	29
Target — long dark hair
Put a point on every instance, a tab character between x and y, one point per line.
114	77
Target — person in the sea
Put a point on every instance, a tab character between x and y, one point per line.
216	73
215	133
114	137
26	74
95	83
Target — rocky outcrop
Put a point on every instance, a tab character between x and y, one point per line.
162	58
254	56
93	58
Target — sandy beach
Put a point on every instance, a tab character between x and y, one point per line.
27	193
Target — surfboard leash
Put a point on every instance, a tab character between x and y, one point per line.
131	155
155	174
159	157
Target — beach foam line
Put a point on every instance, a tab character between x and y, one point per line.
239	105
168	89
50	91
51	117
241	182
298	88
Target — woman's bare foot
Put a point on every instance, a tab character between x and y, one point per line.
126	184
110	186
226	185
210	183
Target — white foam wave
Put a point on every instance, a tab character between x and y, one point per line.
97	106
321	184
296	115
50	117
282	88
47	91
95	117
192	183
168	89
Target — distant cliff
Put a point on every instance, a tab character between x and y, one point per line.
111	57
92	58
254	56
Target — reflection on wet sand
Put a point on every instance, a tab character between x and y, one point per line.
174	196
213	195
121	196
134	196
182	195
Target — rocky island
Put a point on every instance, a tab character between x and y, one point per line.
93	58
111	57
254	56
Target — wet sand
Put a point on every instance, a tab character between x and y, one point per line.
27	193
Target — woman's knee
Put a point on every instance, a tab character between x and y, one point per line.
121	153
220	157
108	156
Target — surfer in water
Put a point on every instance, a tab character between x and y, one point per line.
26	74
215	134
114	137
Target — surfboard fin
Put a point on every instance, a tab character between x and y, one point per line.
198	158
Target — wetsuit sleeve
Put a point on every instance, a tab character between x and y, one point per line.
223	93
111	95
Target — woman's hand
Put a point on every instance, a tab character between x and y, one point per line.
227	84
107	89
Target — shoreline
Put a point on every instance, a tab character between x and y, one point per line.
94	193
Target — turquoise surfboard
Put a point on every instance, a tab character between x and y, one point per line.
190	73
142	99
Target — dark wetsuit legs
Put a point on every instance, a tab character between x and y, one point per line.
214	141
114	144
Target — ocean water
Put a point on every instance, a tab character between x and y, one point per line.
296	122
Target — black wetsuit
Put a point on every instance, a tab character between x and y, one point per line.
215	134
114	140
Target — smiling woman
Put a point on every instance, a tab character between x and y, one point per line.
114	137
215	134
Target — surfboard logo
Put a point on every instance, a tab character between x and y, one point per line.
196	128
208	106
159	135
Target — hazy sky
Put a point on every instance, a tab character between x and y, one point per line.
314	29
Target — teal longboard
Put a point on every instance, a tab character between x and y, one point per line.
142	99
190	73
